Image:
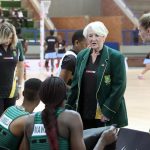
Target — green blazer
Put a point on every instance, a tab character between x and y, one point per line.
111	85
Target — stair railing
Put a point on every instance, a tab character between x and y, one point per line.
127	11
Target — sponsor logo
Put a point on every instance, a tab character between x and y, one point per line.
5	121
38	130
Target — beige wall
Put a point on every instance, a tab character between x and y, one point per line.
76	8
69	8
109	8
113	23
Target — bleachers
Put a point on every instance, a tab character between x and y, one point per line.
10	4
6	13
138	7
20	18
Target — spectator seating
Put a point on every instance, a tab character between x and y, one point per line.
13	12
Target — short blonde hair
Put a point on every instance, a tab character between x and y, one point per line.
98	27
145	20
5	30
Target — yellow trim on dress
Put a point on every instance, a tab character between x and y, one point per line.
98	112
13	89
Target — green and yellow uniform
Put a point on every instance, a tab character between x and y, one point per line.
39	139
7	138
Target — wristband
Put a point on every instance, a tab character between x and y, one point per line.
19	86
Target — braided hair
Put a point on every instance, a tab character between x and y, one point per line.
52	94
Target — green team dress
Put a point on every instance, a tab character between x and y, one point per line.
7	139
38	140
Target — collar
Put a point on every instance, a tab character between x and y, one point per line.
100	52
74	51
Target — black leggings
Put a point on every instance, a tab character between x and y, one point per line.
5	103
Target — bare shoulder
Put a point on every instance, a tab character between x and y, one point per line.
71	118
17	126
23	120
71	113
20	120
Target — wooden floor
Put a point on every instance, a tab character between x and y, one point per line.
137	96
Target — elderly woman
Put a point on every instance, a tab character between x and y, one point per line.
9	57
99	82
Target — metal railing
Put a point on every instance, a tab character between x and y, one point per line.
33	36
127	11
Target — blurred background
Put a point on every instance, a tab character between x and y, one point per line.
66	16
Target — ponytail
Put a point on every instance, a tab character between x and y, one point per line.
50	123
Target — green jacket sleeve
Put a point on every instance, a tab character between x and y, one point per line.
113	102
